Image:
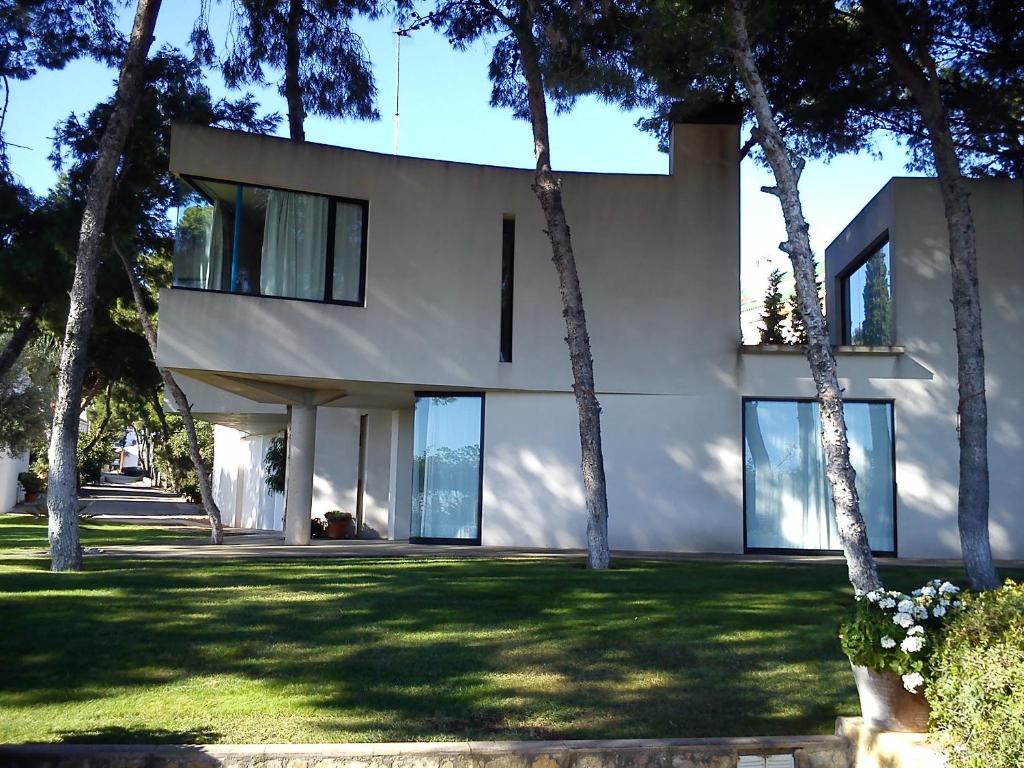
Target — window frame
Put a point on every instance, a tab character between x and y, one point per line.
748	550
507	303
475	542
190	179
843	278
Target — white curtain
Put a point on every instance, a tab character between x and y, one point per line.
788	499
348	251
294	246
212	268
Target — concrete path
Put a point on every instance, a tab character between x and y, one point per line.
125	499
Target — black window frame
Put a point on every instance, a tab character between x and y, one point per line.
190	179
843	278
891	402
508	275
474	542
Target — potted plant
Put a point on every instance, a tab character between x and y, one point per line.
889	638
340	525
32	485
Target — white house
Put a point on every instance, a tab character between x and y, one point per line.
403	316
10	467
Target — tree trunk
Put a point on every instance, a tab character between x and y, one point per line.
921	79
62	497
101	428
180	401
852	530
165	445
292	88
21	337
549	193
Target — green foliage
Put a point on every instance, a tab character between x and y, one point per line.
30	482
898	632
877	327
797	329
25	396
92	460
977	698
337	516
773	315
274	462
177	446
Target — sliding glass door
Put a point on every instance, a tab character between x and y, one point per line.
787	498
446	467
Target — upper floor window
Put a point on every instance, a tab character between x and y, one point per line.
867	300
269	242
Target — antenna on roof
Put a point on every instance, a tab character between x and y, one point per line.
398	81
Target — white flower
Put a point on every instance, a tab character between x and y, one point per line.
887	603
874	596
905	606
912	643
888	642
948	589
917	629
903	619
928	591
920	612
913	681
939	611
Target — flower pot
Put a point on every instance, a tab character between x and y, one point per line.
887	705
341	529
31	497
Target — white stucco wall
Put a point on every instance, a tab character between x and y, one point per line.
239	480
10	491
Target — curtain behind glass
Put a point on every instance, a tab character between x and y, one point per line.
294	246
788	499
193	239
446	468
348	251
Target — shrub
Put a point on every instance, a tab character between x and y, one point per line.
92	462
30	482
274	463
337	516
977	698
896	632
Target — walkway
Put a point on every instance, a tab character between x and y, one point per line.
123	499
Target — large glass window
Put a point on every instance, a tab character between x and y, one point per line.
447	437
269	242
867	301
787	496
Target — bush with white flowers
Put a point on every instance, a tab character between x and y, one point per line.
896	632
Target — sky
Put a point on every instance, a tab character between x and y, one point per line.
445	114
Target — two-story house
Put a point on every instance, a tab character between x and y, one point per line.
402	317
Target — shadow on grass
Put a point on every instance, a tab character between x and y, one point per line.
122	735
396	650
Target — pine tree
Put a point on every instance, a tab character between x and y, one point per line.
797	328
773	315
877	327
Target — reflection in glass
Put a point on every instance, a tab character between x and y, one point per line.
446	467
348	251
868	295
787	496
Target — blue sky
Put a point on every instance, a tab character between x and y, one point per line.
446	115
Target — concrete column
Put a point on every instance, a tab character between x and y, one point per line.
299	478
400	475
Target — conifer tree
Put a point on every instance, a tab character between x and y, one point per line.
773	314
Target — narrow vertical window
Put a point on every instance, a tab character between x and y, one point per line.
508	251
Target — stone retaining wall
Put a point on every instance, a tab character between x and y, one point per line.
807	752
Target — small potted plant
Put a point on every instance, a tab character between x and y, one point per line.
32	485
889	638
340	525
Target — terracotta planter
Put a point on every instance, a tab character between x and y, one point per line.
31	497
341	529
887	705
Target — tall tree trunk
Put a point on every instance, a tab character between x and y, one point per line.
548	190
62	498
292	88
180	401
852	530
922	80
102	427
22	335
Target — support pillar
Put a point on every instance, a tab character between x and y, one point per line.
299	477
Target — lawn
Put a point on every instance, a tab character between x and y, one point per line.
394	650
21	533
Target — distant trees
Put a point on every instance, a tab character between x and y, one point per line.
876	330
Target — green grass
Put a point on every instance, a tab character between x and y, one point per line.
392	650
26	533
